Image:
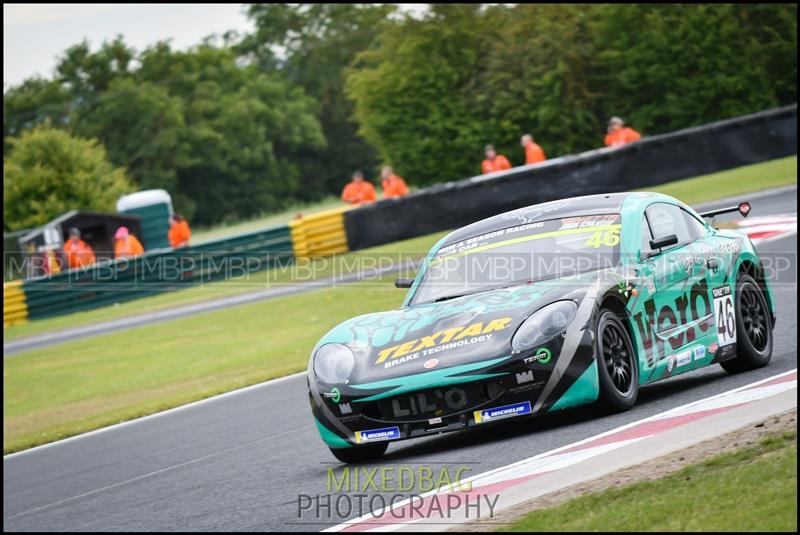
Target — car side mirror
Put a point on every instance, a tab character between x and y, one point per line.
403	283
666	241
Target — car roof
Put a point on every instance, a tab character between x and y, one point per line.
572	207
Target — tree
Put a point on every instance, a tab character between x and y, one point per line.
538	78
416	94
50	172
662	67
225	140
430	93
313	45
240	135
142	126
34	102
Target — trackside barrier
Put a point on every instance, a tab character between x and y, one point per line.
653	160
319	234
156	272
15	310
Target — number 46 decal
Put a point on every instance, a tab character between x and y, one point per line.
609	238
726	319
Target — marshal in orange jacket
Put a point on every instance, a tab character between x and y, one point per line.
622	136
128	247
359	192
179	234
500	163
394	186
78	253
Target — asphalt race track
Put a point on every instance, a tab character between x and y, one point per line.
239	461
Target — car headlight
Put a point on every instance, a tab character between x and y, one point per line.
333	363
544	324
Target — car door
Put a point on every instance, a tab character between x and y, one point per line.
679	314
716	257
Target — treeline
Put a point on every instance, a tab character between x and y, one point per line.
241	127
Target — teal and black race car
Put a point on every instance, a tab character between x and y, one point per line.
539	309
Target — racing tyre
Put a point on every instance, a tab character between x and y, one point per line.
616	363
360	454
753	326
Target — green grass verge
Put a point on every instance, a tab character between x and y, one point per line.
224	230
752	489
75	387
309	270
78	386
746	179
694	190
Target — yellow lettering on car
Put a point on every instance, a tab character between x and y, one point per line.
473	330
522	239
609	238
384	354
427	341
496	325
450	333
441	337
404	349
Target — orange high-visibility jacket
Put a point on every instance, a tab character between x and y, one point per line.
179	234
128	247
534	153
78	253
359	192
499	163
622	136
394	186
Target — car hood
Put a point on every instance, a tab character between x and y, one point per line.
459	331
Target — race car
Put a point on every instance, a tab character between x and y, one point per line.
551	306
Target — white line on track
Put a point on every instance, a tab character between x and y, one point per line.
173	410
686	408
149	474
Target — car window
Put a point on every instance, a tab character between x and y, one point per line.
521	254
666	219
696	229
646	236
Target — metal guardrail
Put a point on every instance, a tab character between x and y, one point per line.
155	272
15	309
319	234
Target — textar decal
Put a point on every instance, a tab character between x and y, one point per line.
441	341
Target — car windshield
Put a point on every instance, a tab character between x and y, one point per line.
521	254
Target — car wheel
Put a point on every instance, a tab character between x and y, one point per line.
616	362
753	326
360	454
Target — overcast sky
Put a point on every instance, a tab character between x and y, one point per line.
35	35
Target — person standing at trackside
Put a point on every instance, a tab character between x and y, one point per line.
494	162
78	252
126	244
358	191
393	186
533	152
179	232
619	134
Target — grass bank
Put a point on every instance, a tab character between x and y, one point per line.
752	489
